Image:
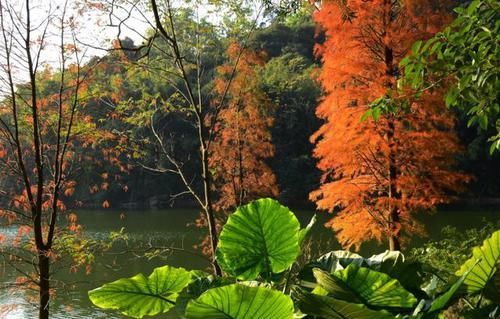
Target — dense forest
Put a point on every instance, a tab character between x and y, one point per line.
288	100
285	77
291	129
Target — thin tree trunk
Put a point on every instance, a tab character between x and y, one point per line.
394	243
394	219
212	226
241	173
44	271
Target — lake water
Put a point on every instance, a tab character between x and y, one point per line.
169	228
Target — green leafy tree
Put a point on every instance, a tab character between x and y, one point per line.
181	52
464	56
288	81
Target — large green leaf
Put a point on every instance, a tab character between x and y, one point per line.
445	298
484	264
386	262
238	301
431	309
141	296
335	287
259	238
304	232
330	262
331	308
392	263
372	287
200	283
338	260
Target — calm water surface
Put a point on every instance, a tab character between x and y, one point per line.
169	228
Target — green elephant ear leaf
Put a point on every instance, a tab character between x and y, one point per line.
444	299
240	302
375	288
334	287
141	296
393	263
338	260
385	261
222	262
259	238
304	232
200	283
331	308
330	262
484	277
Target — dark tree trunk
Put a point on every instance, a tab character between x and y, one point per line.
394	220
44	269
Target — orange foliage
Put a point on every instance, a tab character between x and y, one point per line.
73	225
242	141
379	173
53	136
105	204
3	151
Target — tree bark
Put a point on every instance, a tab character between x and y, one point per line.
44	285
394	219
394	243
212	226
393	227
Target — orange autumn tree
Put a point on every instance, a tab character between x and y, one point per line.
242	141
379	173
45	134
39	119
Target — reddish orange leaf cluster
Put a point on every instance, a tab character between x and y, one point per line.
242	141
105	204
379	173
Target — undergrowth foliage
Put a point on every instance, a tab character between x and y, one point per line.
258	249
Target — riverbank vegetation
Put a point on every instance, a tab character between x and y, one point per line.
375	112
258	249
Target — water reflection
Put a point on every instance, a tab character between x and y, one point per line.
161	228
